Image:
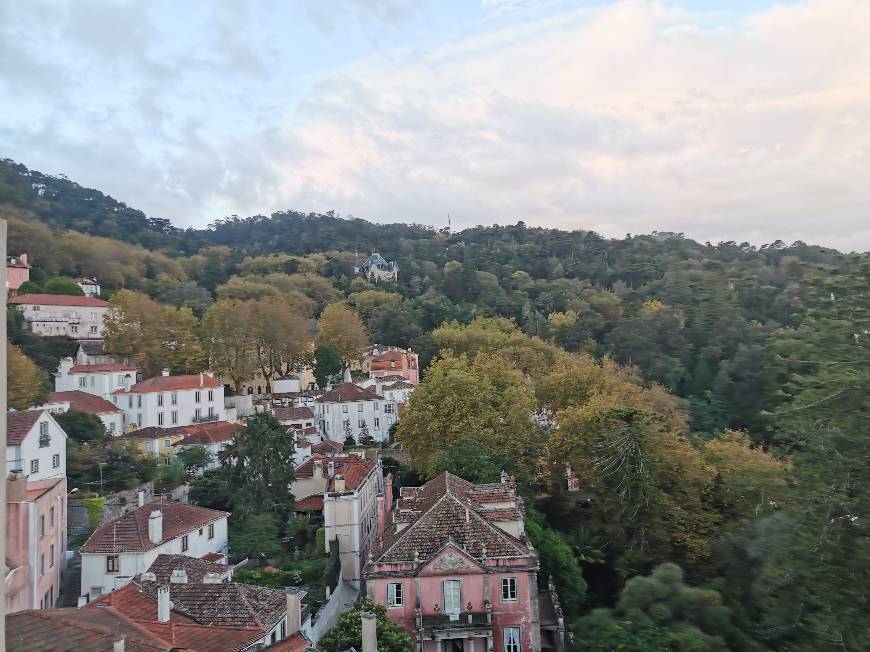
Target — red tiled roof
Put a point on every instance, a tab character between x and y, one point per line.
348	392
48	630
327	447
196	569
19	425
213	556
130	532
58	300
295	643
152	432
170	383
99	368
400	384
306	469
207	433
354	473
83	402
448	508
293	413
312	503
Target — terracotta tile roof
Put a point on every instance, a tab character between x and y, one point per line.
306	469
151	432
214	557
58	300
99	368
130	532
311	503
283	413
295	643
401	384
326	447
448	508
83	402
207	433
79	630
348	392
204	638
19	425
354	473
171	383
196	569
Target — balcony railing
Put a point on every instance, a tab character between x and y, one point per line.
207	418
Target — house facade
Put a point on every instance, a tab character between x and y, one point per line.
93	352
214	437
89	285
167	401
54	315
453	566
152	441
121	549
78	401
377	270
101	379
350	409
17	272
393	363
35	510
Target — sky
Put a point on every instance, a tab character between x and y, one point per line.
743	120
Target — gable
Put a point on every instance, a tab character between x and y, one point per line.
451	560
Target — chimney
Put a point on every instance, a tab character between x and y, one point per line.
165	372
331	468
164	606
369	632
148	576
118	644
141	498
178	576
318	469
339	483
379	388
212	578
155	526
200	379
23	257
294	611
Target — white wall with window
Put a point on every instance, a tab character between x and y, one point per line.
175	407
375	416
42	453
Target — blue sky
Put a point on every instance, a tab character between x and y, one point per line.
736	119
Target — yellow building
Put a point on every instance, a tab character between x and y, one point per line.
153	441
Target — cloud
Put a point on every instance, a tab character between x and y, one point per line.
624	117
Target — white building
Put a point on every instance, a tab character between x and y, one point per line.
347	408
35	445
98	379
376	269
166	401
90	286
61	314
109	413
214	437
398	391
127	546
92	352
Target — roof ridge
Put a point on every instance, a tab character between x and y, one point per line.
413	525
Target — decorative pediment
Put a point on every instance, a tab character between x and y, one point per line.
451	560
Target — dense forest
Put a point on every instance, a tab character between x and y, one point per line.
710	397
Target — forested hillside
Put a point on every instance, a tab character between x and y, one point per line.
711	397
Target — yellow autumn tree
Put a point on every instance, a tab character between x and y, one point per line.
24	380
342	330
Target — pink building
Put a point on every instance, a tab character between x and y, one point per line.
17	272
453	565
392	363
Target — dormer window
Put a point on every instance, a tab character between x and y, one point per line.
44	437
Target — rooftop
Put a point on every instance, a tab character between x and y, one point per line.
196	569
129	533
99	368
19	425
172	383
207	433
327	447
354	473
283	413
83	402
58	300
348	392
306	469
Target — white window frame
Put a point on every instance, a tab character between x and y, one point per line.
160	418
197	395
34	466
395	595
451	591
83	381
55	461
344	408
116	565
160	400
509	589
512	639
174	418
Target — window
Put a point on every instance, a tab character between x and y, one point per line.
197	414
112	426
139	401
359	407
42	526
210	412
211	395
120	381
160	418
83	382
160	400
196	396
94	329
139	420
35	308
175	398
344	408
55	461
509	588
200	531
51	517
74	329
388	408
394	595
377	424
51	556
184	543
377	407
511	638
93	381
283	628
113	563
42	564
167	443
452	596
149	445
131	401
34	466
44	437
174	417
361	423
211	530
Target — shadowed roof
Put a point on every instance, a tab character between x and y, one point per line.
348	392
58	300
83	402
19	424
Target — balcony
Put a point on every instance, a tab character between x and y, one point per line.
465	621
208	418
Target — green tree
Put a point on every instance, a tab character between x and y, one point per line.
327	363
468	460
256	536
194	458
347	632
60	285
557	561
81	426
212	490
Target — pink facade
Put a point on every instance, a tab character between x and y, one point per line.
35	542
17	272
393	363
